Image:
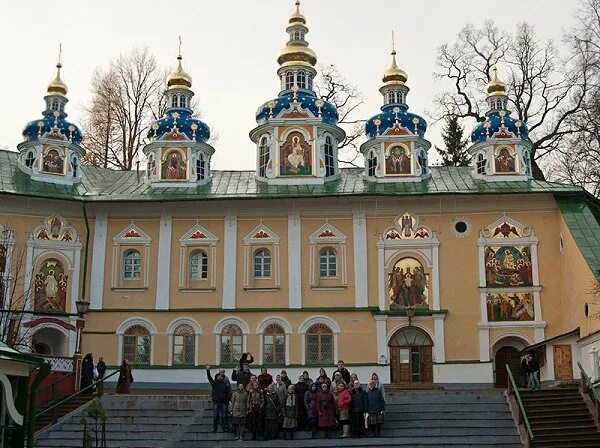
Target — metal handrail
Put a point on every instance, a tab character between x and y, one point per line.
588	383
513	386
76	394
58	380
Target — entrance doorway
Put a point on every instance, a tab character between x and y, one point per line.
563	362
506	355
411	359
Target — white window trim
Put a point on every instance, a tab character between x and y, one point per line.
260	330
335	328
129	323
208	244
340	239
144	240
197	332
251	244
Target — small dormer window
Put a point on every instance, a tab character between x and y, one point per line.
297	35
200	167
263	157
289	80
527	162
301	79
183	101
480	164
29	159
309	82
423	162
75	167
329	159
150	165
371	164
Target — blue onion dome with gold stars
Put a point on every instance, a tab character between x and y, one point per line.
179	116
296	71
54	124
498	122
394	112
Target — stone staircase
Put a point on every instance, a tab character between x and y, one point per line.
423	419
560	418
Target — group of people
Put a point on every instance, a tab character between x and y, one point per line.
529	371
267	406
94	373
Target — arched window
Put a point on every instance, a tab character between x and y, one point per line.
297	35
309	80
200	167
151	164
75	166
371	164
480	164
274	345
423	162
184	346
29	159
55	105
527	162
231	344
174	100
327	263
137	345
319	345
183	101
263	157
301	79
198	265
132	265
329	160
289	80
262	264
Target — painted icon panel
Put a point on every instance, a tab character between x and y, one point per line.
504	161
174	165
408	284
53	161
510	307
51	287
295	156
508	266
398	161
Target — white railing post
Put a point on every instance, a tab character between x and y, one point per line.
595	355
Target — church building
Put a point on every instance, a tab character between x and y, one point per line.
422	274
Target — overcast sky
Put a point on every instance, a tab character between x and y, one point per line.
230	47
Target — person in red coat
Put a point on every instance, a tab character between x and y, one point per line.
326	409
344	402
264	379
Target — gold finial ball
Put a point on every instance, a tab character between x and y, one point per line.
194	126
295	88
377	122
271	104
155	126
502	113
40	124
72	128
416	120
56	114
396	110
518	124
487	125
319	103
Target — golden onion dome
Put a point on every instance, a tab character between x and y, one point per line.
297	55
394	74
57	85
179	77
297	18
495	87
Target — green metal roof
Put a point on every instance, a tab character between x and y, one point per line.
7	353
101	184
582	216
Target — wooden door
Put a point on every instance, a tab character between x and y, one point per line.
399	364
426	365
563	363
510	356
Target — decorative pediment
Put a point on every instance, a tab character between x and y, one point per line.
506	228
132	234
261	234
406	227
198	235
55	228
503	132
295	110
396	129
327	233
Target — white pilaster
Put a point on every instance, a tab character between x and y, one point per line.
294	261
75	295
439	343
359	221
380	328
98	262
229	263
381	290
484	344
164	263
28	278
435	273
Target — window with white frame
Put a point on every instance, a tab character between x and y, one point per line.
319	345
75	166
183	101
297	35
231	340
309	81
327	263
289	80
55	105
371	164
200	167
274	345
132	265
301	79
527	162
184	346
423	162
29	159
198	265
263	157
480	164
150	164
174	101
137	345
262	264
329	159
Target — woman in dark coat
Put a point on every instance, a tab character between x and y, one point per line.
326	409
375	408
246	358
290	413
310	403
87	373
125	378
300	390
256	403
322	378
358	409
272	413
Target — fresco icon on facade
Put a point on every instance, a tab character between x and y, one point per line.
51	287
508	266
174	166
397	161
504	161
408	284
295	156
510	307
53	161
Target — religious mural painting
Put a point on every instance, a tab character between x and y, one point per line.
174	165
407	228
55	229
408	284
510	307
53	160
504	161
295	156
508	266
398	161
50	287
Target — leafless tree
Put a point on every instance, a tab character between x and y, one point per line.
545	88
126	97
333	87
